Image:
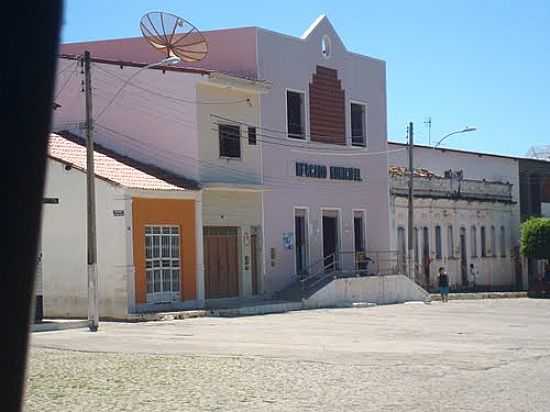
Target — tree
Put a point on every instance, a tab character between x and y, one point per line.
535	238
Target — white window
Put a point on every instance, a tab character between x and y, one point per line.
325	46
358	124
295	114
450	242
162	262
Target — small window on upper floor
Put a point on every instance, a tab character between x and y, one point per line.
295	114
230	140
358	123
325	46
252	135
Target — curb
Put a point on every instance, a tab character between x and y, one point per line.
257	310
55	326
480	296
165	316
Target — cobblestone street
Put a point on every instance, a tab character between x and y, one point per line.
490	355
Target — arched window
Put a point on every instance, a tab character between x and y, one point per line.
502	241
438	251
450	242
483	242
473	233
415	240
493	241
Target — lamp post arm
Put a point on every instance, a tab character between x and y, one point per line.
128	80
445	137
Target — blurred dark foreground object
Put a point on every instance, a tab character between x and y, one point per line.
30	37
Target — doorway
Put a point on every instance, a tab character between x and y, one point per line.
359	240
221	262
402	251
301	234
330	240
463	258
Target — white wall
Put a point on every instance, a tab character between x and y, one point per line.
289	62
64	246
372	289
492	271
478	167
213	168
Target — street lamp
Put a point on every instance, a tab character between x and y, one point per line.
93	296
465	130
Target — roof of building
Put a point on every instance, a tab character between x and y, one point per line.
111	166
471	152
404	171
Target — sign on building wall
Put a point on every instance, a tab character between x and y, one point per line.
332	172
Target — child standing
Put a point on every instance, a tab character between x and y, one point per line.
443	281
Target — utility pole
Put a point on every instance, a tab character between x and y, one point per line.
428	124
93	301
411	206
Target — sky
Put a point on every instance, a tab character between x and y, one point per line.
483	64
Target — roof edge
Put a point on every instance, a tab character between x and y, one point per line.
147	168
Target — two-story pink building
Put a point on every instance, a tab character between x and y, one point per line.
285	135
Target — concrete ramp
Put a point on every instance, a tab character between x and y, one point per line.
372	289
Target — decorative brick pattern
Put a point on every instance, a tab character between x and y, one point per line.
327	108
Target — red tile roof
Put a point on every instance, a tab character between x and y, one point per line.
114	167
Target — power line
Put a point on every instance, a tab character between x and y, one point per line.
277	181
66	82
166	96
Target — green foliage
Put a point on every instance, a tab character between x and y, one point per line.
535	238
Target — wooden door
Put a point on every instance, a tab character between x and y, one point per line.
221	262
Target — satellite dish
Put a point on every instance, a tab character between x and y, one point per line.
174	36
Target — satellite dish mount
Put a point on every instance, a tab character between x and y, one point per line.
174	36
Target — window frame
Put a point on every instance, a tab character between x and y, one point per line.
473	240
450	242
224	156
416	246
438	243
364	105
305	125
502	235
483	240
494	252
162	263
252	131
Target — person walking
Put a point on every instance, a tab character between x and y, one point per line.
443	281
